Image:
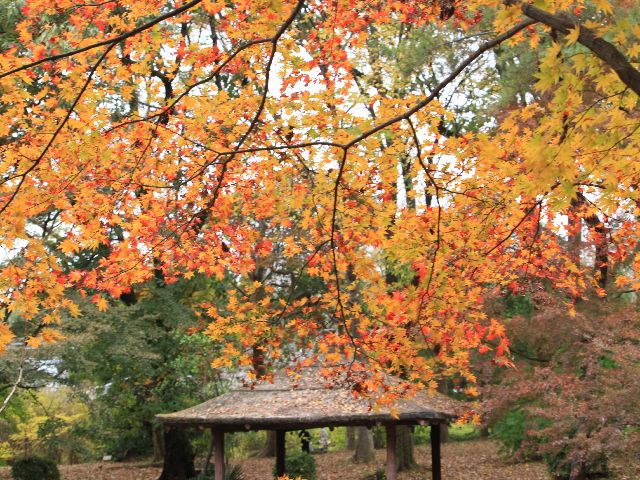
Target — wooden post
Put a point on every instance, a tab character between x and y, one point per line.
436	468
280	452
218	439
392	469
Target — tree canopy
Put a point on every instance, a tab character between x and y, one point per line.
364	175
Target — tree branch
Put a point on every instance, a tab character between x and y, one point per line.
13	390
61	125
452	76
604	50
109	42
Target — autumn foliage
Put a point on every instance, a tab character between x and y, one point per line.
573	399
234	140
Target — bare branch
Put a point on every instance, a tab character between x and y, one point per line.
7	399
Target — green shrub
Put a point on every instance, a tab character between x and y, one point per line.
379	437
247	444
560	467
518	433
32	468
378	475
421	435
515	305
300	464
510	431
462	433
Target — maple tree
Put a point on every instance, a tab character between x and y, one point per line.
228	139
573	399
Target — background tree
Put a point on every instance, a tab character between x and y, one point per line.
572	399
161	142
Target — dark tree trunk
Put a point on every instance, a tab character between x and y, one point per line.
158	442
365	452
178	456
269	449
404	448
604	50
281	454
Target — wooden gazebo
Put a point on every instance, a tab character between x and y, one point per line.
306	402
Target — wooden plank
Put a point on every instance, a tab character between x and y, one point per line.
392	467
280	452
436	467
218	439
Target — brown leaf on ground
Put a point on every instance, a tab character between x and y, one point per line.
101	471
477	460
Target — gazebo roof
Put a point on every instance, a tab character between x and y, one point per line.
306	402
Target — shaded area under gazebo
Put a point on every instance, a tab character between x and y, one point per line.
307	402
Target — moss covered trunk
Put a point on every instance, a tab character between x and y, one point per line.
404	448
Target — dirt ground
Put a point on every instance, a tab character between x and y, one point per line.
471	460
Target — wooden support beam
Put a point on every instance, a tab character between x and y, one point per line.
436	467
218	440
280	452
392	467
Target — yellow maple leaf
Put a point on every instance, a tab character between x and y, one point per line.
604	5
68	246
572	36
6	335
73	309
101	303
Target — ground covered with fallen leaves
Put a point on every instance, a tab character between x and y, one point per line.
476	459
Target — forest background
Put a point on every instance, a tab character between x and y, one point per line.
444	191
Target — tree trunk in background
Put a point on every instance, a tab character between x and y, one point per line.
364	448
178	456
269	449
443	387
379	437
444	433
158	442
351	438
598	234
404	448
407	180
